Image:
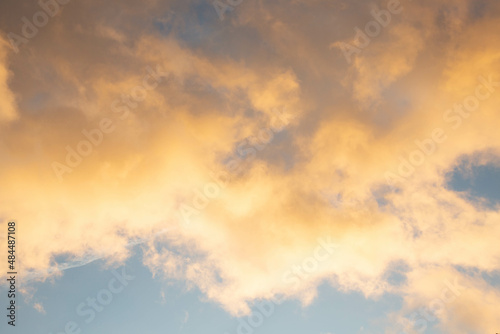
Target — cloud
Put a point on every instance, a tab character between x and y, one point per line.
8	107
39	308
322	175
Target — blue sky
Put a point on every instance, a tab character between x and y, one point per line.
155	306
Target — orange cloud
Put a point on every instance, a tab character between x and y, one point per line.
323	175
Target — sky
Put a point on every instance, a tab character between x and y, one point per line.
249	166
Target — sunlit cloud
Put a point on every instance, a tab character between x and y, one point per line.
324	173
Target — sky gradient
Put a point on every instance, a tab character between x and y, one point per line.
302	166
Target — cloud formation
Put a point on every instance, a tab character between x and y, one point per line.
323	174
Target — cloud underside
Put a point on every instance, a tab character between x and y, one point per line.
341	164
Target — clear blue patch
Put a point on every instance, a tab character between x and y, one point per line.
396	274
333	311
380	193
477	183
492	278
